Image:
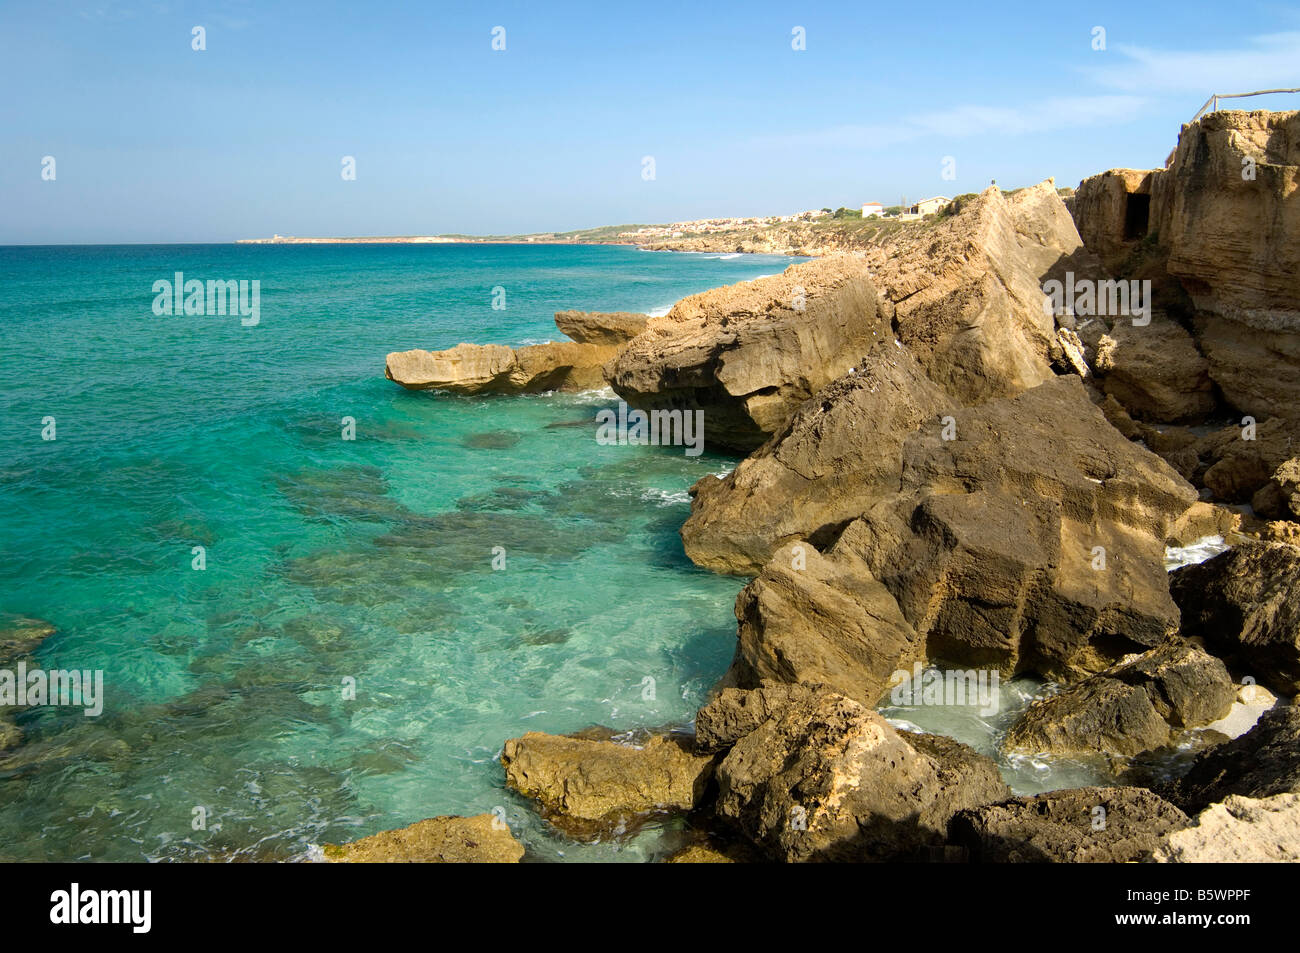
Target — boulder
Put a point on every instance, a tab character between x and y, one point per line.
1243	603
749	354
734	712
1155	371
1279	498
1261	763
606	328
838	455
827	779
1032	540
496	369
1240	830
591	787
699	854
813	619
481	839
968	296
1241	460
1114	825
1129	708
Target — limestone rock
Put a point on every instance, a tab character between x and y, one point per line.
1129	708
590	787
496	369
838	455
1234	243
735	712
1240	830
439	840
1243	603
968	293
1261	763
1243	459
829	780
1279	498
1155	371
600	327
812	619
1080	825
749	354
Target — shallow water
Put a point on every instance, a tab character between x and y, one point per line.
328	560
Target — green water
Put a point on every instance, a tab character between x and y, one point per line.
329	562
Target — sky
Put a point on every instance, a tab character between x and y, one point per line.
155	141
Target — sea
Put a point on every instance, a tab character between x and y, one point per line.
321	603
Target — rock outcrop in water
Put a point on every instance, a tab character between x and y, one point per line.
1261	763
1130	708
481	839
593	786
1243	602
749	354
827	779
496	369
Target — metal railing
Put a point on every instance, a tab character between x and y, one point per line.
1212	104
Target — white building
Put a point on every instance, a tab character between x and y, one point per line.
872	209
931	205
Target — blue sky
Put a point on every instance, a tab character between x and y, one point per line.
154	141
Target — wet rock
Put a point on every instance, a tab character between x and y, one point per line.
1261	763
600	327
492	440
481	839
1240	830
827	779
591	787
1083	825
1243	603
1129	708
749	354
697	854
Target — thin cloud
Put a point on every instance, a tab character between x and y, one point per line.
969	120
1268	62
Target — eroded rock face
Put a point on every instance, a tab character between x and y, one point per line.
439	840
968	294
1101	210
749	354
496	369
1155	371
591	787
735	712
1113	825
827	779
1129	708
606	328
1242	460
1240	830
813	619
1243	602
1261	763
838	455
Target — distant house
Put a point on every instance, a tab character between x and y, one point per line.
929	206
872	208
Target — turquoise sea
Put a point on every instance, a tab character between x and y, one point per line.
328	560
